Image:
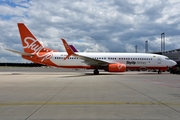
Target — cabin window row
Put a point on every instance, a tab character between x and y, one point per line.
64	57
130	58
124	58
109	58
135	58
100	58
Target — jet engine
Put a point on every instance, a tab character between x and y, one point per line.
116	67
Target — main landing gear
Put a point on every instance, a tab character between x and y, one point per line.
159	72
96	72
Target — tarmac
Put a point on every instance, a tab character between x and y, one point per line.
65	94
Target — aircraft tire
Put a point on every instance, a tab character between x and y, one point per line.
96	72
159	72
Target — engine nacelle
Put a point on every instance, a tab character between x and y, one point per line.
116	67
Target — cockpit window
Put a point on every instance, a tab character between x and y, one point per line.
167	58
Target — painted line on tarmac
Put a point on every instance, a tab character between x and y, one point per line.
90	103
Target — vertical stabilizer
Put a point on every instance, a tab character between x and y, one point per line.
29	41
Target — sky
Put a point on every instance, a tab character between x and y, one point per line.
90	25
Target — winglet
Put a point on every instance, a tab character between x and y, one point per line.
68	49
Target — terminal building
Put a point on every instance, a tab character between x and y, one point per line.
174	55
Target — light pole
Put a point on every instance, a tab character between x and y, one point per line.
162	42
146	46
136	49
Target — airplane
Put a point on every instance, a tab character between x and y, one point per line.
111	62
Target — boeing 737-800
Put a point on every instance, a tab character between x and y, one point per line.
111	62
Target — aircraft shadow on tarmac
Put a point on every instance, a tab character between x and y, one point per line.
110	74
86	74
89	75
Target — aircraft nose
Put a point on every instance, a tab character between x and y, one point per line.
173	63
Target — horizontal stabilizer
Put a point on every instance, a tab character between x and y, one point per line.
20	53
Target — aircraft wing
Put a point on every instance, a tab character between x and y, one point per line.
87	60
92	61
20	53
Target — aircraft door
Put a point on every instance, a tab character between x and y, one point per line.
159	60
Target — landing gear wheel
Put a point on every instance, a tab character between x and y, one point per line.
159	72
96	72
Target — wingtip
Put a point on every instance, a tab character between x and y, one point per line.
68	49
20	23
62	39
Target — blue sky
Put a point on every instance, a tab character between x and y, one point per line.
91	26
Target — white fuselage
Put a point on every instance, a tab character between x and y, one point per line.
131	60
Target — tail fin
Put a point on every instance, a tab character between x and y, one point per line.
29	41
